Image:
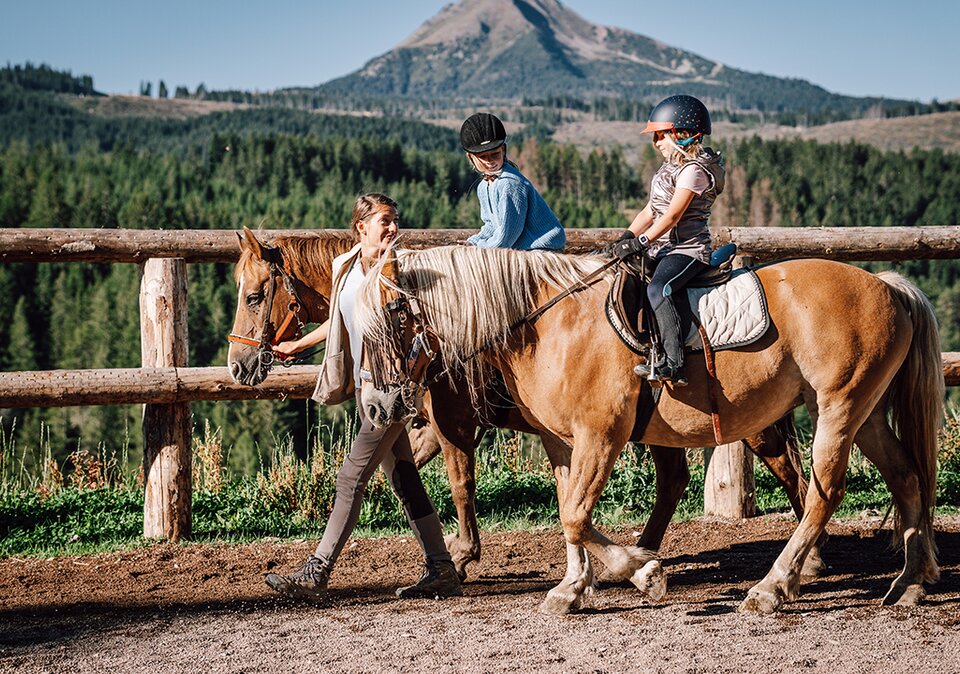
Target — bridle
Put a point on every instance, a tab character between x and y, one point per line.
425	343
270	337
413	381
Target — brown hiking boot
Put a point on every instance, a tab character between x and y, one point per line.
308	584
440	579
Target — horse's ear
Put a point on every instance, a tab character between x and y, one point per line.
250	242
391	269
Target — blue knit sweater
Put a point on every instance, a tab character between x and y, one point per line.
515	215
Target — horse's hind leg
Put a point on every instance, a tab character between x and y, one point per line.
459	457
879	444
673	476
788	474
831	452
777	449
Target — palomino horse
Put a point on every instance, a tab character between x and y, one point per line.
850	345
264	301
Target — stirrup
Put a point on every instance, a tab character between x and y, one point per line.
660	374
671	375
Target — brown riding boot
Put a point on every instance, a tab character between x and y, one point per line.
662	371
308	583
440	579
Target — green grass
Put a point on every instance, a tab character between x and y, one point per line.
89	505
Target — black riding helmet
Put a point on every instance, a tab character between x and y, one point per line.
482	132
679	112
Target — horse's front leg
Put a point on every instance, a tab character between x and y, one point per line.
460	460
578	581
578	489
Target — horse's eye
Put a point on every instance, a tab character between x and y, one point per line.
254	299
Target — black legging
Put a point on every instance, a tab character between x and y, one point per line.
676	271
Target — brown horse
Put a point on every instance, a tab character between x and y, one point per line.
453	421
850	345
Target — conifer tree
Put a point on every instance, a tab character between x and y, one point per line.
21	355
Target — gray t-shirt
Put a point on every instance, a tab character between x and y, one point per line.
347	303
695	178
704	176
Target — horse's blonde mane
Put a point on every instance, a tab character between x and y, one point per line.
307	255
471	297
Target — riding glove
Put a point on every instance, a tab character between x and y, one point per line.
625	247
609	249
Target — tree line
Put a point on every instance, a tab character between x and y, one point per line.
44	78
283	169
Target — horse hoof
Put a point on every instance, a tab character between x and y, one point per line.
651	579
459	558
760	601
909	595
557	604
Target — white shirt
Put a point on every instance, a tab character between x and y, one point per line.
348	302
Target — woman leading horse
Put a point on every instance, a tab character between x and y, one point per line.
565	370
297	271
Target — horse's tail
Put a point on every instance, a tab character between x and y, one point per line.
916	395
787	428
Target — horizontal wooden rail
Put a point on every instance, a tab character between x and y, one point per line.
763	243
164	385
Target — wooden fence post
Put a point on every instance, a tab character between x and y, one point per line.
729	489
166	427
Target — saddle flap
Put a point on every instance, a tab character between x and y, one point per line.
734	314
624	309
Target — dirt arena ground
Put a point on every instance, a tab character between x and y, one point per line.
205	608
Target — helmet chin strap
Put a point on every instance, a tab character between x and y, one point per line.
687	141
489	177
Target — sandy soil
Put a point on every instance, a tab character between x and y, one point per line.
185	608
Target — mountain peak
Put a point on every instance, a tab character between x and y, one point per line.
488	50
499	23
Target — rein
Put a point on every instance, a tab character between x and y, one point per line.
270	337
420	345
581	284
575	288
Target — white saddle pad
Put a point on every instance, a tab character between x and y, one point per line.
734	314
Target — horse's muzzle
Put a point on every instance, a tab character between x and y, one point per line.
383	408
248	371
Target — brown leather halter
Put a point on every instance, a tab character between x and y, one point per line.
269	337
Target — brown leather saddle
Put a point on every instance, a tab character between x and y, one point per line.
627	308
629	314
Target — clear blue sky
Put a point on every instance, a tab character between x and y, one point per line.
858	47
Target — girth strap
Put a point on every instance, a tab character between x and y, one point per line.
711	383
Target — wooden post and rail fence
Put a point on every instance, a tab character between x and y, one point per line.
165	385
